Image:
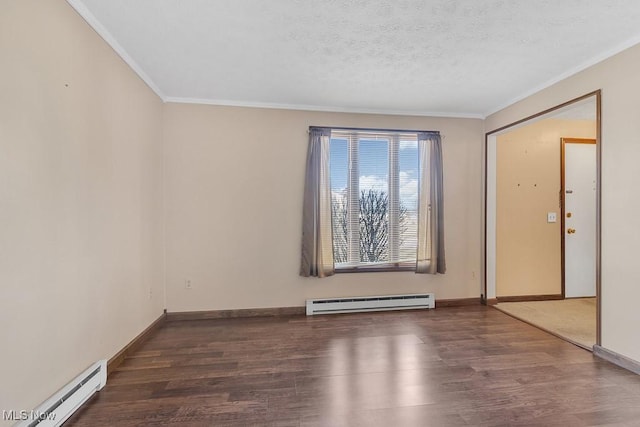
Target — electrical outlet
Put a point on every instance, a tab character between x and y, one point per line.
187	284
551	217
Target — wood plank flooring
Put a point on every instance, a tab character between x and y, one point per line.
446	367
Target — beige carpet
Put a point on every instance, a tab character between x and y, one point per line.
571	319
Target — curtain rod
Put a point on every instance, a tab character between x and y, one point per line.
376	130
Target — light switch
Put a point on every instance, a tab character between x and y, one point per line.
551	217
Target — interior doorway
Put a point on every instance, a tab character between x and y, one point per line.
509	280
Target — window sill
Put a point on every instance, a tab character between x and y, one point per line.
386	268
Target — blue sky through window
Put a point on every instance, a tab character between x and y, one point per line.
374	169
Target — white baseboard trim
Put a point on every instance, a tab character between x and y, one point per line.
617	359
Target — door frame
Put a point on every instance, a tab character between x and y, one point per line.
564	141
488	288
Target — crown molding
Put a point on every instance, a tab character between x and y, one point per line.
329	109
93	22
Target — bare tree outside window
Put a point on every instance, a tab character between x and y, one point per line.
373	224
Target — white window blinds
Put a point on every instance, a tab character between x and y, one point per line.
374	196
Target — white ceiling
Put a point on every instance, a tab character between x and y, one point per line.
465	58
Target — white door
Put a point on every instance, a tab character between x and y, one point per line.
579	218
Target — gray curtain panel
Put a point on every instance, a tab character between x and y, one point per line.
430	253
317	230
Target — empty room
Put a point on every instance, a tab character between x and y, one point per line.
289	213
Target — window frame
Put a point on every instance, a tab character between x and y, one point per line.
393	138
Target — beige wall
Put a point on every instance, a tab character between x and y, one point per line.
80	167
233	189
528	248
618	79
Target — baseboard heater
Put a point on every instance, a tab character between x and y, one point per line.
59	407
373	303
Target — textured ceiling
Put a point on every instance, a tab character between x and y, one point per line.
441	57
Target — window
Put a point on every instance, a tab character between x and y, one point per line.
374	199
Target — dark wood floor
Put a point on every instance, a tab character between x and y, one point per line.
446	367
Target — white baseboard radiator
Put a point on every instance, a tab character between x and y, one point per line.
373	303
59	407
